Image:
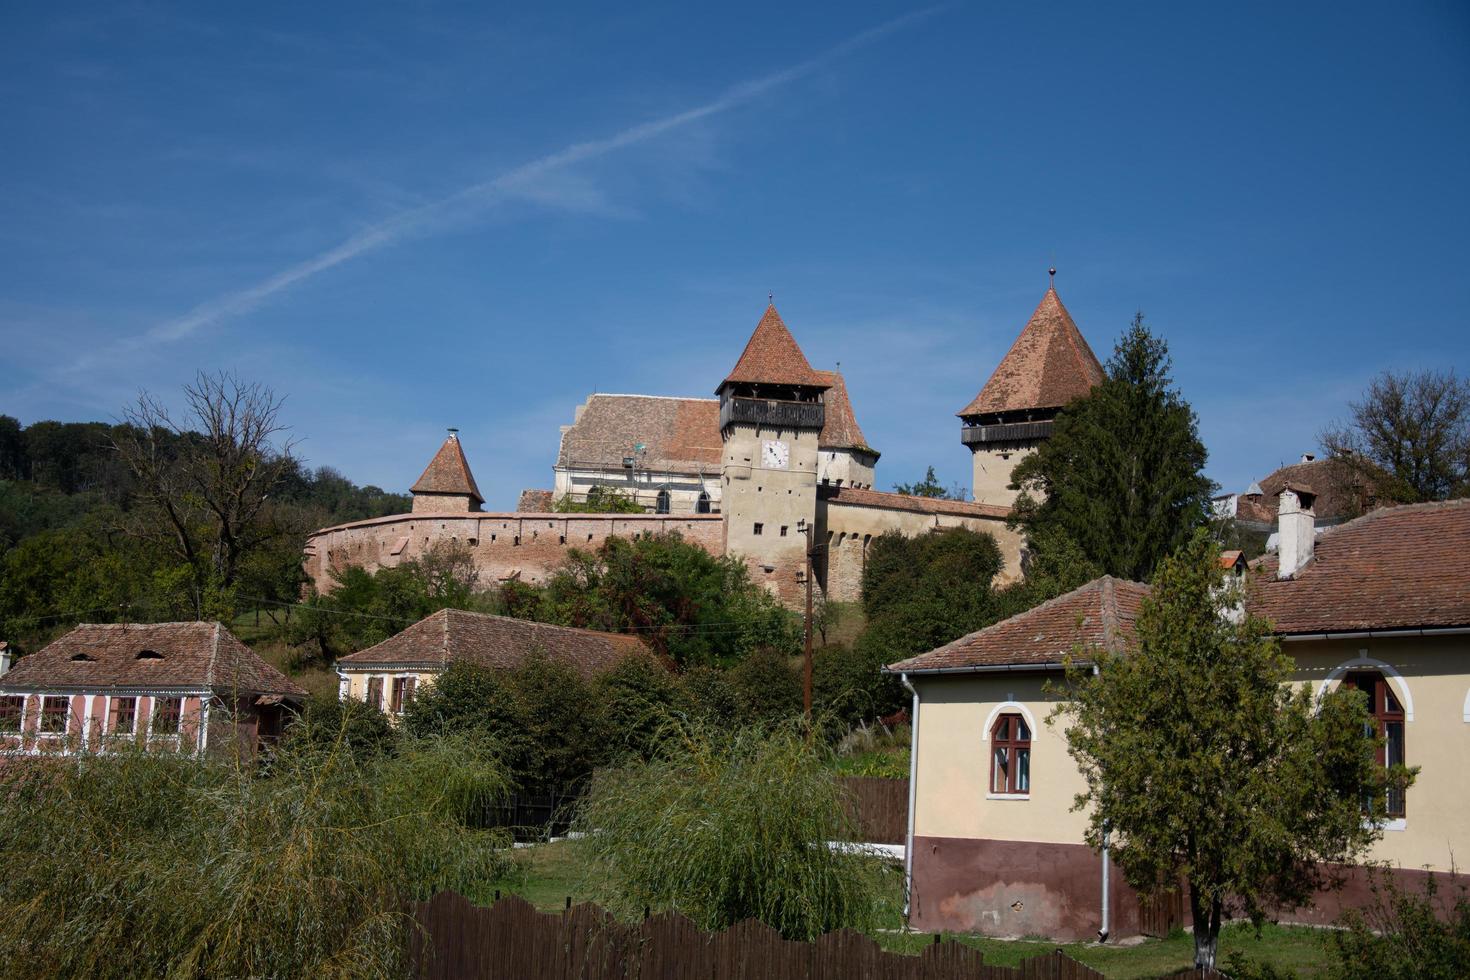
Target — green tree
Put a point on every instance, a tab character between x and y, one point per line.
725	827
1408	437
1207	765
643	704
1122	474
688	605
929	487
599	500
919	593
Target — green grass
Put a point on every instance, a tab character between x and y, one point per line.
548	873
265	639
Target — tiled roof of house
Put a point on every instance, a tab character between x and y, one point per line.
148	655
921	505
1100	613
680	435
1395	568
1338	487
772	356
449	472
535	502
1049	365
452	635
839	428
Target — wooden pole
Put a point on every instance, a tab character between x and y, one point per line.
806	684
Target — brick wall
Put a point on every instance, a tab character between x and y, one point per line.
503	544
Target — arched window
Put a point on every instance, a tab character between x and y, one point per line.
1388	721
662	505
1010	756
702	505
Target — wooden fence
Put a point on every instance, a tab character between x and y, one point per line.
512	941
879	808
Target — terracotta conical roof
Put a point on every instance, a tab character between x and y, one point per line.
1049	365
773	357
840	428
449	472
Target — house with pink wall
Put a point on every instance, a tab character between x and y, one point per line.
170	687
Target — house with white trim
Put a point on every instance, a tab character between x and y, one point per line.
389	674
171	687
1381	603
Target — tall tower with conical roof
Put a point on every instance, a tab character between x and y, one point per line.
1049	365
771	418
447	486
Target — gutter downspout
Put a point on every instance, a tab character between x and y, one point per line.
908	850
1107	906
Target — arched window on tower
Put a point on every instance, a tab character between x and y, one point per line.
662	505
702	505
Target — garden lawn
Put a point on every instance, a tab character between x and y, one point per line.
548	874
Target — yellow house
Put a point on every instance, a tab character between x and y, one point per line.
1382	603
387	675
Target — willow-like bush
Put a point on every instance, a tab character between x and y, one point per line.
136	865
725	827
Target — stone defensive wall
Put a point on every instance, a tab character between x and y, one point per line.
504	545
853	518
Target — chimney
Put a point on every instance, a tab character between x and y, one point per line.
1296	530
5	655
1308	457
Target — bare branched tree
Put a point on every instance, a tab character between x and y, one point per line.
1410	434
208	476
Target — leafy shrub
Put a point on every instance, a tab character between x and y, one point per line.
362	729
641	703
766	687
1403	934
728	828
149	865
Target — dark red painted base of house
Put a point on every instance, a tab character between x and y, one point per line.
1027	888
1015	888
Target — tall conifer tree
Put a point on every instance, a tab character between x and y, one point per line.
1122	474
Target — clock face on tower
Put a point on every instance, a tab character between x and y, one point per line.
776	455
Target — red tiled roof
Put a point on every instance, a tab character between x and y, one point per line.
921	505
1100	613
451	635
840	428
1396	568
1049	365
1229	559
535	501
449	472
772	356
190	655
1339	489
680	435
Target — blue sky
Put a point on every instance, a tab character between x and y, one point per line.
415	215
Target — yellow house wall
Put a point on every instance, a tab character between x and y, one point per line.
357	683
951	798
1435	680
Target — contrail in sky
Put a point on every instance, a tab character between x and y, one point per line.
418	219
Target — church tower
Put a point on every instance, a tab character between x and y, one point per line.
771	417
1049	365
447	486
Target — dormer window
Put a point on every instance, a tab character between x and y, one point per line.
148	655
83	657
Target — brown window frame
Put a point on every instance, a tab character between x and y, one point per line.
115	710
375	692
47	715
1010	756
1389	724
12	713
158	723
402	692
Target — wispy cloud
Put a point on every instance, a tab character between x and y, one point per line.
523	181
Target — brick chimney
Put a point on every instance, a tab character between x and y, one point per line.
1296	530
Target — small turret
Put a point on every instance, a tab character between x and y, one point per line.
447	485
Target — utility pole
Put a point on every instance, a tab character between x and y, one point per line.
806	682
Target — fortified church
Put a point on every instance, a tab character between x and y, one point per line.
775	457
